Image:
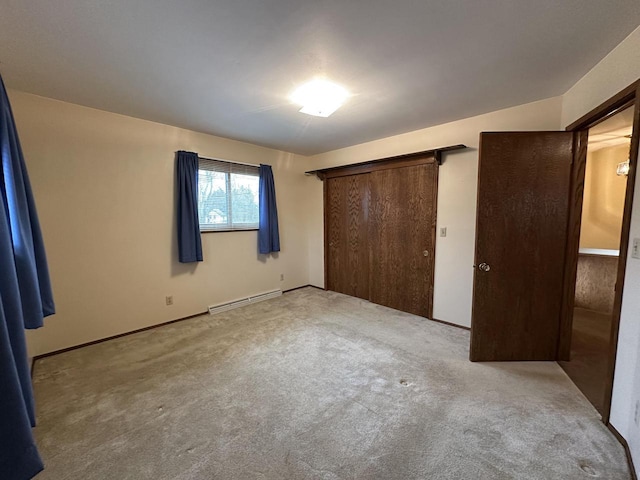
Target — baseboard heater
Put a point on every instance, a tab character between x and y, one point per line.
225	307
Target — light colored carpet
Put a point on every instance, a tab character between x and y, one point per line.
312	385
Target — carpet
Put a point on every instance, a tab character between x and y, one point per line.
312	385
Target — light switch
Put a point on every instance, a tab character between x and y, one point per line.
635	249
443	231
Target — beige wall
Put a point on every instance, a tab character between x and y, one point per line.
104	186
616	71
619	69
456	195
603	201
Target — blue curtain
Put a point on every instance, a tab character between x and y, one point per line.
268	235
25	299
189	243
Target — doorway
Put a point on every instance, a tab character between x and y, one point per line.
528	241
603	201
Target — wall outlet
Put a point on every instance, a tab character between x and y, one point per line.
443	231
169	300
282	277
635	248
636	415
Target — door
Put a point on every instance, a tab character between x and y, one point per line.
522	215
402	237
347	199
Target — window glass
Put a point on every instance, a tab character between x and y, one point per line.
227	196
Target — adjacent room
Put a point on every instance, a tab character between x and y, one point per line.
605	188
319	240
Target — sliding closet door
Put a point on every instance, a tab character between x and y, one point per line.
402	237
347	250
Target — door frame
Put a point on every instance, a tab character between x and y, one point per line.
419	158
629	97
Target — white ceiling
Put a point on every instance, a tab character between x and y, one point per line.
226	67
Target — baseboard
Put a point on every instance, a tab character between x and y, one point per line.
624	443
144	329
112	337
301	287
296	288
450	324
432	319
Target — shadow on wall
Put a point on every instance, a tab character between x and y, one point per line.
264	258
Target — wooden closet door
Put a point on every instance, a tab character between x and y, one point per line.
347	250
402	237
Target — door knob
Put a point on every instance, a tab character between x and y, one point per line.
425	253
484	267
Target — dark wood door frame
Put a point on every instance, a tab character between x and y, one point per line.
387	162
428	157
630	96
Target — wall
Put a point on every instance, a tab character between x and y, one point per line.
619	69
616	71
103	183
104	186
603	202
457	189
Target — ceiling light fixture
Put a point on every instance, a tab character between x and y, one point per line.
319	97
623	169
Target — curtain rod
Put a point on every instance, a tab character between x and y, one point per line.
229	161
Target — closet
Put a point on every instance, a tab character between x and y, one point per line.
380	228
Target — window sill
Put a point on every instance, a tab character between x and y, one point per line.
230	230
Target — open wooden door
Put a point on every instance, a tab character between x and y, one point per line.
524	183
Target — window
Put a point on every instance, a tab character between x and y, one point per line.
227	196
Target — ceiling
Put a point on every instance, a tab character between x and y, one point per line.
226	67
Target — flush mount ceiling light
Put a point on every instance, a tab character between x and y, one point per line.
319	97
623	169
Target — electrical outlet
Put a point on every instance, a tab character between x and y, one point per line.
636	415
169	300
635	249
282	277
443	231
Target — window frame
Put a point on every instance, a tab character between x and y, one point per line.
228	168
